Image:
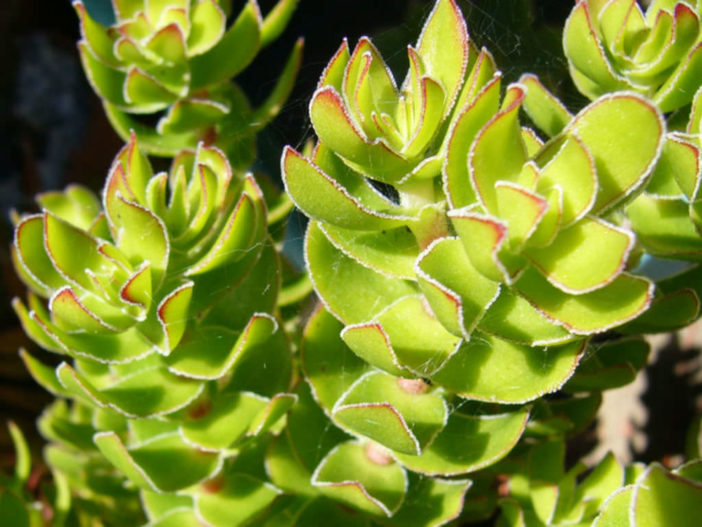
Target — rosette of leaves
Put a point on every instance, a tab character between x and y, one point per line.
164	298
513	256
614	45
176	59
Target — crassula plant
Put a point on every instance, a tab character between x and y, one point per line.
481	255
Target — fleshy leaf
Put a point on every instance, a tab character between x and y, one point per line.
226	420
620	301
377	407
212	352
164	464
331	272
347	474
584	257
234	499
234	51
457	293
469	443
495	370
614	124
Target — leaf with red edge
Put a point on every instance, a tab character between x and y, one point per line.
498	151
173	314
620	301
443	46
348	474
335	128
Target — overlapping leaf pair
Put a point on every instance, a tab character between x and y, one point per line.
613	46
178	57
165	300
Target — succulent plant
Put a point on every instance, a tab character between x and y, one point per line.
471	269
613	46
165	301
178	57
516	251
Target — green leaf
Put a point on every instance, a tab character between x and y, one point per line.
443	46
458	294
335	128
571	168
145	91
106	81
234	51
207	22
212	352
512	318
33	258
276	408
44	375
664	227
455	170
324	198
414	336
607	477
163	464
469	443
520	209
668	312
495	370
76	204
391	252
431	501
329	365
233	499
226	419
308	430
498	152
584	52
660	496
542	107
615	511
234	239
482	237
680	87
584	257
348	474
376	406
141	236
13	510
275	21
187	115
332	273
148	392
677	170
620	301
624	134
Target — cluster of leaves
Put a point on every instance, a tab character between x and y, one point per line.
467	241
